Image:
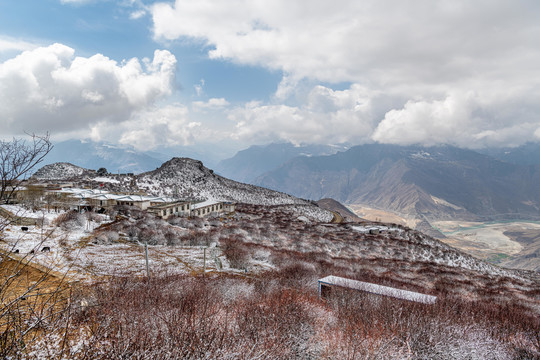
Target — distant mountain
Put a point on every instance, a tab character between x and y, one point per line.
94	155
433	182
248	164
528	154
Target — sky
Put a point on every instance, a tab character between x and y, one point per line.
154	74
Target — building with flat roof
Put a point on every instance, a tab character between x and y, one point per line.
168	209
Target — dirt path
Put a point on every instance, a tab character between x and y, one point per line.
338	219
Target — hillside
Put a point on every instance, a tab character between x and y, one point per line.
188	178
337	207
182	178
260	274
62	171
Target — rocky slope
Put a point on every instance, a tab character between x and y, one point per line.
188	178
62	171
337	207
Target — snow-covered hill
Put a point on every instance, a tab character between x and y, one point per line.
61	171
188	178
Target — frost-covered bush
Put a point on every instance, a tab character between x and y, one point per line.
71	220
106	237
268	317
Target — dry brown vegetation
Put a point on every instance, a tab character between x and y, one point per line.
33	301
482	312
279	316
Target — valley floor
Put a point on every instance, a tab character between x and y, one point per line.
514	244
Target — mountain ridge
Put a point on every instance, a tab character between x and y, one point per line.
435	182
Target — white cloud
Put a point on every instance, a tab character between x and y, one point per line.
346	40
199	88
9	44
455	72
327	116
213	103
49	89
137	14
423	121
466	120
168	125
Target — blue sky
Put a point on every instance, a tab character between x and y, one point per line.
155	74
106	27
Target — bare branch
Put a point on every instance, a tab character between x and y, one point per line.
18	158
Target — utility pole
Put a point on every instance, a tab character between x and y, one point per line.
146	255
204	261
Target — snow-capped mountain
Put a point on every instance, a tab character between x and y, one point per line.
95	155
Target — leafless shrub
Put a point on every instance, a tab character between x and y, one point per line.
237	254
70	220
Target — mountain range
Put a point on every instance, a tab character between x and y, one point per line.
250	163
433	182
126	159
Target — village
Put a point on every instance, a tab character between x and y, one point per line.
65	197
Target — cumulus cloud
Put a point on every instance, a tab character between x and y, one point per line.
168	125
326	116
423	121
50	89
350	40
455	72
468	120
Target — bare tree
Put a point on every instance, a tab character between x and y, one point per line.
18	158
32	299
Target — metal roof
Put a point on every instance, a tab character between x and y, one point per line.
377	289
